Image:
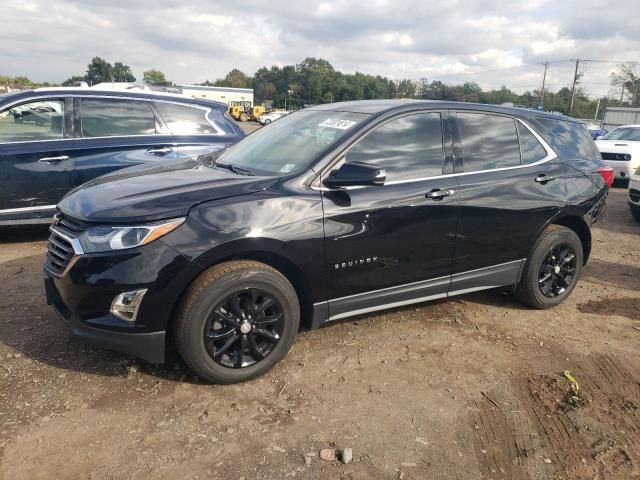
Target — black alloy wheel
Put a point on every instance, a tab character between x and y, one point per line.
236	321
557	270
552	269
243	328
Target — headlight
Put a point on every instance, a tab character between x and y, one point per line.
104	238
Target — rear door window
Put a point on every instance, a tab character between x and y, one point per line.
106	117
33	121
532	150
488	141
185	120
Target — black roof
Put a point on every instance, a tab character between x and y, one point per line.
76	91
383	106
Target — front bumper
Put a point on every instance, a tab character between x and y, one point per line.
622	169
634	191
148	346
82	297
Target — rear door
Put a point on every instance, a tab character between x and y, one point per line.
114	133
35	156
511	184
391	245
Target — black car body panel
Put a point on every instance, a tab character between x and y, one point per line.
126	196
36	172
346	251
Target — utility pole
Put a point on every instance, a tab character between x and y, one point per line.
573	88
622	93
544	80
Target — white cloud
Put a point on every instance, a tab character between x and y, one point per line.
487	41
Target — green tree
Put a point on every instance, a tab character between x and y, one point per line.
155	77
73	80
627	79
122	73
235	79
99	70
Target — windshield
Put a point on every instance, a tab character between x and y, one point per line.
290	144
631	134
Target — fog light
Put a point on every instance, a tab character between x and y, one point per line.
125	306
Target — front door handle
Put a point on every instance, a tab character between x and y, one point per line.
542	178
160	150
53	160
438	194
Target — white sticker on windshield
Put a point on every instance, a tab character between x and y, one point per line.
287	167
337	123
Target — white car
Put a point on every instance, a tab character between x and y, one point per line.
634	194
620	149
267	118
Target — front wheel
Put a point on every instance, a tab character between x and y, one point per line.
635	212
238	319
552	269
267	122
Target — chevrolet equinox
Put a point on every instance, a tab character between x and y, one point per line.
333	211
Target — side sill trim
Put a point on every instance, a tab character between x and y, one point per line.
387	305
484	278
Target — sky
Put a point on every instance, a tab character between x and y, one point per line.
491	42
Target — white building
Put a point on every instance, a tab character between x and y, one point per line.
219	94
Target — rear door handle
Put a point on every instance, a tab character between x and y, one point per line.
542	178
160	150
438	194
54	159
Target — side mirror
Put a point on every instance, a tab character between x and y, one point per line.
355	174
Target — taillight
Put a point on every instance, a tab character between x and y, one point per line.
607	175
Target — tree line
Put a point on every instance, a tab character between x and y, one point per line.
315	80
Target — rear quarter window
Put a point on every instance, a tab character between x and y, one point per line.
571	139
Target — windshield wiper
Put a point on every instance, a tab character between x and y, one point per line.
235	169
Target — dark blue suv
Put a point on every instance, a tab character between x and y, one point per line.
52	140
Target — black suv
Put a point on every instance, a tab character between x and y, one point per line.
333	211
54	139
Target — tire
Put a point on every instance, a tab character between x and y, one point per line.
244	117
531	288
267	122
635	212
211	290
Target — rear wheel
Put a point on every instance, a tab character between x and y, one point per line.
635	212
552	269
237	320
244	117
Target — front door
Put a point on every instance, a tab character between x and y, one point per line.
35	161
392	245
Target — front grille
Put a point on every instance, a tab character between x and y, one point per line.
634	195
59	253
60	250
619	157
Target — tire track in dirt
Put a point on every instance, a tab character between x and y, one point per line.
504	437
593	436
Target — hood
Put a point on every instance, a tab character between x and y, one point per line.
164	191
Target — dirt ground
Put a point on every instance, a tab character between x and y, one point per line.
468	388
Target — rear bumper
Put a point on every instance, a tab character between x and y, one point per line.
149	346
